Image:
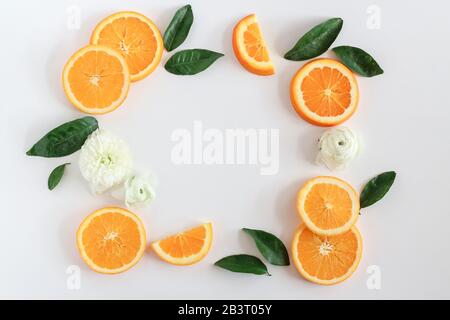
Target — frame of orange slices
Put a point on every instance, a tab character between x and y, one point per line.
127	47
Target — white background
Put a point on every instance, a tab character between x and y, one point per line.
402	118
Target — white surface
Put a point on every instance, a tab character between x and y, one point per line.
403	120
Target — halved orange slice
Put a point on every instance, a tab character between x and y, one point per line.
326	260
136	37
328	205
250	48
324	92
111	240
187	247
96	79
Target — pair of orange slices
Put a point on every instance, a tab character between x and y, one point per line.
112	240
327	247
324	92
125	47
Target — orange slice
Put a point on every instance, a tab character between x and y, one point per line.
326	260
324	92
250	48
328	206
187	247
96	79
111	240
136	37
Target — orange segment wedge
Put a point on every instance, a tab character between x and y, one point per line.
111	240
328	205
326	260
96	79
324	92
187	247
250	48
136	37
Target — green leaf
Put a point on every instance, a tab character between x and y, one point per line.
358	60
316	41
270	247
243	263
56	176
65	139
179	27
376	188
192	61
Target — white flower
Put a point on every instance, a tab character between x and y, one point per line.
105	161
137	191
337	147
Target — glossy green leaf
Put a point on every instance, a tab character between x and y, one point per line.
270	246
56	176
65	139
358	60
179	27
316	41
243	263
192	61
376	188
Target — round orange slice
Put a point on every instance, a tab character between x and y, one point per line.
187	247
136	37
328	205
324	92
111	240
96	79
326	260
250	48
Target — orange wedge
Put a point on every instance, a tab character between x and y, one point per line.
250	48
187	247
328	205
324	92
326	260
111	240
136	37
96	79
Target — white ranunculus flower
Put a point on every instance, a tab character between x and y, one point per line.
139	191
337	147
105	161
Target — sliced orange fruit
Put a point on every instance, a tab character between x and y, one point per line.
324	92
328	205
250	48
187	247
136	37
111	240
96	79
326	260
